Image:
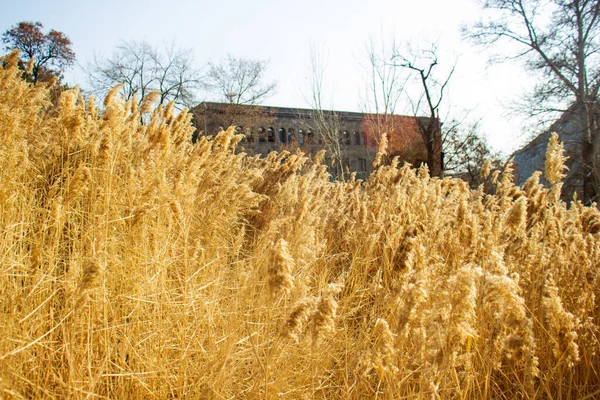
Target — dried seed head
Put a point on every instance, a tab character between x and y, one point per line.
463	301
139	212
105	145
30	65
505	304
80	183
395	162
561	324
280	268
90	274
385	337
555	192
12	59
532	183
590	220
383	144
176	208
319	157
324	316
135	104
378	159
56	212
462	211
517	215
149	101
495	176
111	94
486	169
299	318
91	106
224	138
555	160
169	111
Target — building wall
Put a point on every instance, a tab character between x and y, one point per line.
268	129
532	157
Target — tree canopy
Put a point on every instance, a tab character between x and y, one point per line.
49	53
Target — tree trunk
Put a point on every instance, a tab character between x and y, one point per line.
590	147
594	156
433	143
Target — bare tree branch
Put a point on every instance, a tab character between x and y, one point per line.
433	91
142	68
238	80
326	123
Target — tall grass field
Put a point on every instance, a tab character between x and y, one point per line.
137	265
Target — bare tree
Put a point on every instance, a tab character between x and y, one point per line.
391	76
240	84
466	151
142	68
384	87
326	123
385	83
238	80
559	40
433	89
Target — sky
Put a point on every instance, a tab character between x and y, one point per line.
283	32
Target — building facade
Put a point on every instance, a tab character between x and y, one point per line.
532	157
354	136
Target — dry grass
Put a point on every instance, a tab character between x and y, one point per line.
134	264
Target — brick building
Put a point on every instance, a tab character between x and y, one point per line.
268	129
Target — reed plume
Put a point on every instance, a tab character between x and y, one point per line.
555	160
280	268
136	264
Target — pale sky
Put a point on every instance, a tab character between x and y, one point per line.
283	32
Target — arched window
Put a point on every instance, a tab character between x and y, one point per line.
282	137
362	165
261	135
291	136
355	138
301	137
361	139
249	135
270	135
346	138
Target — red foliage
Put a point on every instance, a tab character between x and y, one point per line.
51	52
403	134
